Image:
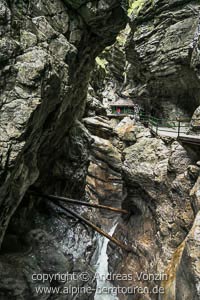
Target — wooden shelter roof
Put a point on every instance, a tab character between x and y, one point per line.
123	102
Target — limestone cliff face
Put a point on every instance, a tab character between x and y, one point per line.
47	51
104	178
158	177
163	55
183	271
157	181
155	59
47	55
109	78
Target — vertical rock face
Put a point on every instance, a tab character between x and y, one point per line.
187	277
47	51
183	270
105	182
104	178
158	177
163	52
157	182
109	76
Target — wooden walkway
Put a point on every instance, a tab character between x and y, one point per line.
119	116
177	129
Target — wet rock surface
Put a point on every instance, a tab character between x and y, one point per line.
183	269
163	56
47	51
158	197
47	86
159	187
104	178
55	138
187	275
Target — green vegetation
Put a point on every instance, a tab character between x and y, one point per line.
135	6
121	38
102	62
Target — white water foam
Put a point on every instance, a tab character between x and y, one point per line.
102	270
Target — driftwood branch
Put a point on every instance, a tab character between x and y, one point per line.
96	228
78	202
55	199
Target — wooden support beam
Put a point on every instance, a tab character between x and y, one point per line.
55	200
93	226
78	202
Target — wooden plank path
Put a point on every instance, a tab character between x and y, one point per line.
177	129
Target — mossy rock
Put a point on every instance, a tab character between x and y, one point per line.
136	6
102	62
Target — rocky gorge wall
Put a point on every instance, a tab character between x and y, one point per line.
155	63
163	56
159	178
156	180
155	60
47	51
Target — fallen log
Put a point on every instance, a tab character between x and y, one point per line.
96	228
78	202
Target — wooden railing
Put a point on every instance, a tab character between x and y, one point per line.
179	126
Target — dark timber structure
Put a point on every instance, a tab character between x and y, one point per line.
56	200
122	107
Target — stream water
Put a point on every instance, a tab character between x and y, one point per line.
102	270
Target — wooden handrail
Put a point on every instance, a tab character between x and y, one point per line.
181	119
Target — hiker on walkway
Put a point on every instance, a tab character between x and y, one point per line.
137	112
118	110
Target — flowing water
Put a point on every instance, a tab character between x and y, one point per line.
102	270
